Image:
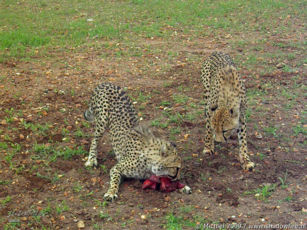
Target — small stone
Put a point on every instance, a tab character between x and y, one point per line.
280	65
80	224
258	135
143	217
3	122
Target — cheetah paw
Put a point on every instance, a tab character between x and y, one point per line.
186	189
110	197
91	162
248	166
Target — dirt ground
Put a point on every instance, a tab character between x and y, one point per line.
38	193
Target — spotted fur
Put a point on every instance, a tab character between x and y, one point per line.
225	104
139	153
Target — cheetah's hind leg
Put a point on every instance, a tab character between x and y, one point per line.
92	157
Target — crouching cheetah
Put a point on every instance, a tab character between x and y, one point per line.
139	153
225	104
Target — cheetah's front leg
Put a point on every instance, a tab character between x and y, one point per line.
246	163
115	179
209	140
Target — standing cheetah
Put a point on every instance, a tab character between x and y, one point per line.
225	104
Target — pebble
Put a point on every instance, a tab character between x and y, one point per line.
280	65
258	136
80	224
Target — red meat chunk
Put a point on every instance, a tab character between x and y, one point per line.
166	185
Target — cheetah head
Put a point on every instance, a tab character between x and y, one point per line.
167	163
224	122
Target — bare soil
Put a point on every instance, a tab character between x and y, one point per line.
222	191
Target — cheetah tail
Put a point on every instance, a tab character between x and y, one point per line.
88	115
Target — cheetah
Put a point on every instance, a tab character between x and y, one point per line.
225	105
138	151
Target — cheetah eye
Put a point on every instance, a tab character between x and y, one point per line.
231	111
213	108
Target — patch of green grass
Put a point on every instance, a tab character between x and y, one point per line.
271	130
251	60
176	118
77	188
288	199
10	154
158	123
248	114
263	192
5	200
79	133
104	168
177	222
46	211
288	94
174	222
3	145
175	130
291	56
180	98
287	69
4	182
280	44
14	225
186	209
85	124
104	215
52	153
165	103
261	156
33	27
283	181
10	115
190	116
40	128
299	129
143	98
52	178
62	207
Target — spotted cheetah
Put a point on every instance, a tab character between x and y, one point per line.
225	104
138	151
